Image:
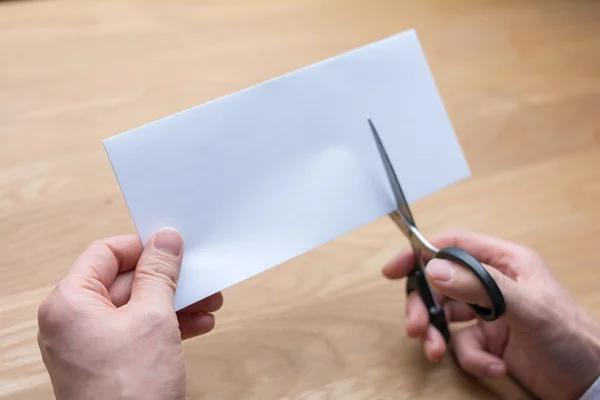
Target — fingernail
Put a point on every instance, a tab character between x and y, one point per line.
169	241
440	270
495	370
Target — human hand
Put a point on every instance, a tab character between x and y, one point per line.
109	329
545	339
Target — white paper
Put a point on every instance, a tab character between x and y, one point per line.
265	174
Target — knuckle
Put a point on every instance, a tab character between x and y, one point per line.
155	316
47	312
55	310
501	280
534	258
158	321
525	256
98	245
161	269
103	247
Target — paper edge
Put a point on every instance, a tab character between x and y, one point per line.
406	32
123	196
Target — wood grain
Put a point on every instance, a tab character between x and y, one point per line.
520	81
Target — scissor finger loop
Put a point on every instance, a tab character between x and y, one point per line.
463	258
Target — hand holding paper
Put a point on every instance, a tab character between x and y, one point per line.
263	175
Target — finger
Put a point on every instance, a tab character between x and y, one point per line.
120	293
493	251
501	254
497	334
192	325
458	312
417	317
210	304
400	266
434	344
461	284
104	259
120	290
469	347
157	272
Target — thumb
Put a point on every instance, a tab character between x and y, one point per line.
157	271
461	284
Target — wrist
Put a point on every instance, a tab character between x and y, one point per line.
87	388
590	331
108	386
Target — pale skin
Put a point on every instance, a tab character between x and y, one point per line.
545	340
109	329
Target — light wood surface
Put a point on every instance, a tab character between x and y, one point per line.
521	82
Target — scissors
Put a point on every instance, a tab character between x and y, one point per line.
416	279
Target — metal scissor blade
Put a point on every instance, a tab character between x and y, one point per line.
401	202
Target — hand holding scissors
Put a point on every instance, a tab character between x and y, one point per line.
420	245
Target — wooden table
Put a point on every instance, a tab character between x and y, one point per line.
521	82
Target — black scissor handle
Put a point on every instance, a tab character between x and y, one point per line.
463	258
417	281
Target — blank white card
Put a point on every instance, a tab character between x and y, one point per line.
265	174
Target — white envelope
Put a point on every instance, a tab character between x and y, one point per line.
268	173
